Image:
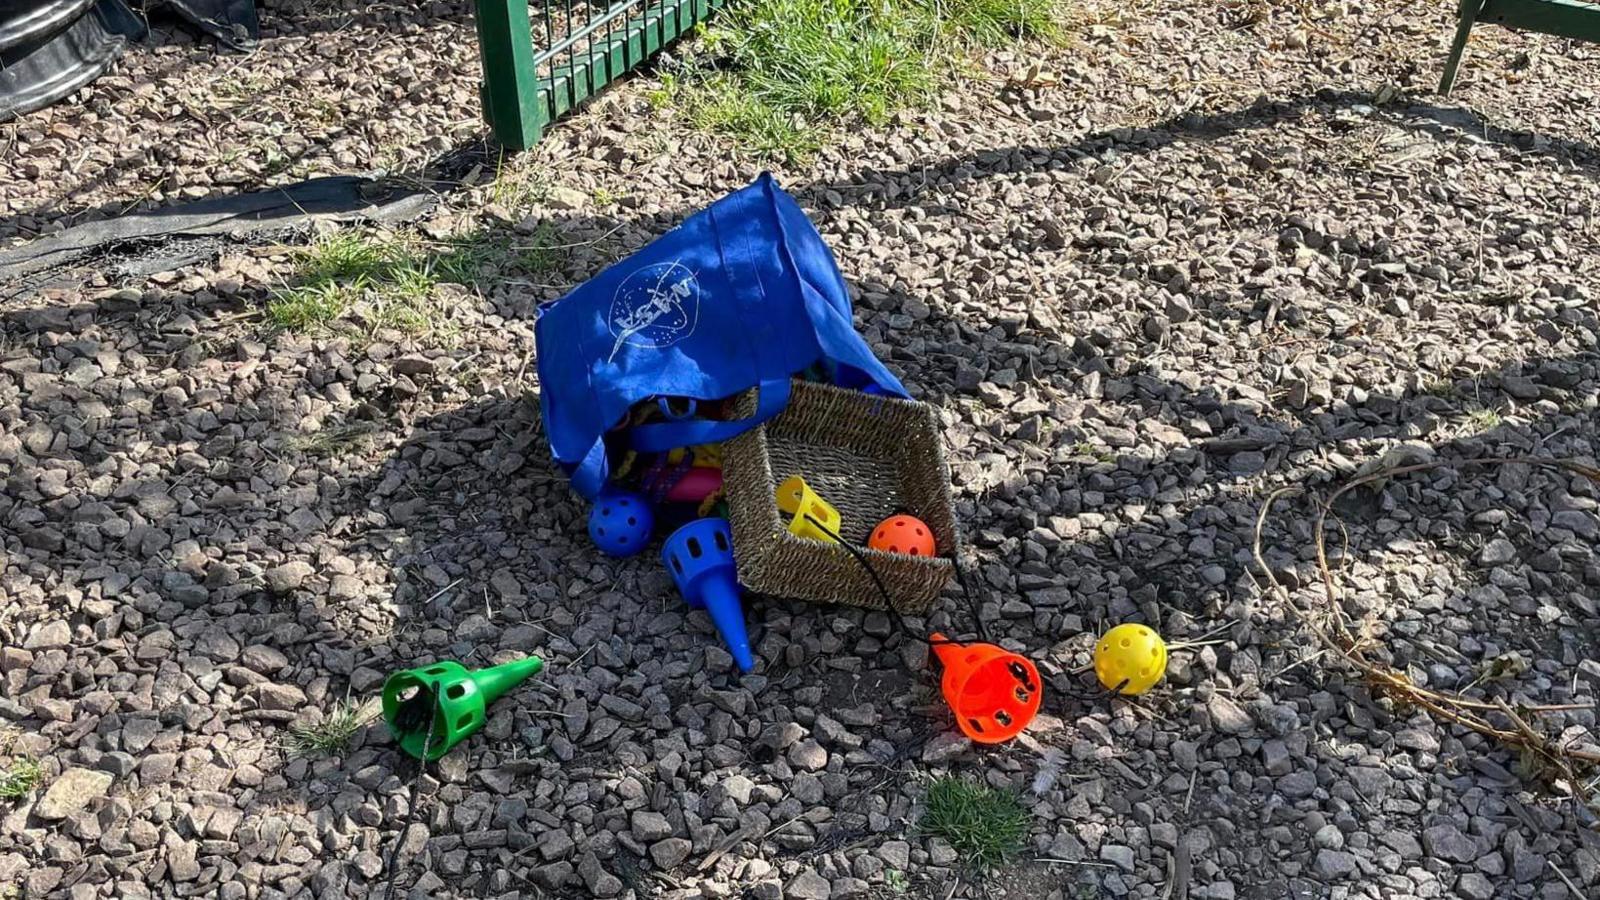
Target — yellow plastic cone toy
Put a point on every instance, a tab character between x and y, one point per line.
797	499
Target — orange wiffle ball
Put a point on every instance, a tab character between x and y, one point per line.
903	534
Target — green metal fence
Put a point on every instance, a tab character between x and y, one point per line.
541	60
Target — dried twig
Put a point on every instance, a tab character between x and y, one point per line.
1560	763
1567	881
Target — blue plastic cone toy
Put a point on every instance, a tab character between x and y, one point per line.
700	558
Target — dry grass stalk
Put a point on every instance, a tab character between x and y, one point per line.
1563	766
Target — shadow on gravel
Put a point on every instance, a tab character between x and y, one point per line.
1442	123
1345	109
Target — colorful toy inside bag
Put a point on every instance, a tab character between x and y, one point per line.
744	294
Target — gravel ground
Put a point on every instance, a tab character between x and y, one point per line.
1223	254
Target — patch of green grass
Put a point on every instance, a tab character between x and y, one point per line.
1439	387
984	825
517	185
1098	454
541	254
329	736
896	881
308	306
1484	419
463	260
775	73
345	255
19	779
996	22
335	440
392	282
719	105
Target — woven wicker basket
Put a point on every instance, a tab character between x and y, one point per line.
870	457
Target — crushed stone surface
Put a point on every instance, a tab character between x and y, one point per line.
1204	253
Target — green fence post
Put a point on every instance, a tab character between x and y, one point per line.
1468	14
510	79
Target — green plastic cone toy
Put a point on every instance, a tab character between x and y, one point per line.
455	696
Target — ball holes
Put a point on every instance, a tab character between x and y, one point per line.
1023	695
1003	717
721	541
455	691
912	551
1155	652
464	721
695	550
622	502
919	532
1126	643
677	565
894	548
605	511
600	530
436	670
632	521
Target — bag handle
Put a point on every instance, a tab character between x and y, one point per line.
772	397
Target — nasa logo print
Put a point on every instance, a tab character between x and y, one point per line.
654	307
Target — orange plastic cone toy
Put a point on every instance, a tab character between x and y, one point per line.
994	693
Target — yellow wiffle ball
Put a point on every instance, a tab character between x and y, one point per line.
1130	659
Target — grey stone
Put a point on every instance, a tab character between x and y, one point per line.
50	635
895	854
1298	785
1336	864
1447	842
1328	837
670	853
599	882
71	791
1473	886
1497	552
808	755
279	696
1120	856
738	788
649	826
287	577
263	659
945	747
808	885
1226	715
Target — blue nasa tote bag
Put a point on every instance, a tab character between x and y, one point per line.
744	294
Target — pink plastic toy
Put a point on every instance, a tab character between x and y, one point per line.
696	485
